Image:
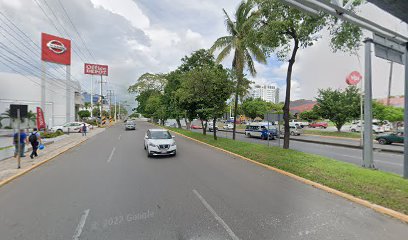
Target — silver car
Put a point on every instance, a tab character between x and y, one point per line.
130	125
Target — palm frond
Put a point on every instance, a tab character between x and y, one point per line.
256	51
221	42
224	53
250	63
231	26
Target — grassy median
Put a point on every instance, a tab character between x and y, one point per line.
386	189
332	134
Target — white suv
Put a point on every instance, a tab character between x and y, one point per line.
159	142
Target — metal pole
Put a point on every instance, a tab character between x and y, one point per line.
101	104
389	85
18	139
368	116
115	107
119	111
267	117
43	76
91	95
406	114
361	114
68	93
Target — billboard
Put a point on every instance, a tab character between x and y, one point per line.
96	69
55	49
40	119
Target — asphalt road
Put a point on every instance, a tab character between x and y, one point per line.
108	188
389	162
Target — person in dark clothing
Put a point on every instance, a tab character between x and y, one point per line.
83	129
35	140
23	141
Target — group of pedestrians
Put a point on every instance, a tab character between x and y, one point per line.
33	138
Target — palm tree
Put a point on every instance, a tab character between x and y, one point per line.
87	105
7	115
31	117
243	40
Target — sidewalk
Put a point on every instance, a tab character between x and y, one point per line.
8	167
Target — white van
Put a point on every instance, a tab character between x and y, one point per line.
260	129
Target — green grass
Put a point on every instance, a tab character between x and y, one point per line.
386	189
51	134
332	134
2	148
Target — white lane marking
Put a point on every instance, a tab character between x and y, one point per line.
119	136
391	163
81	225
111	155
352	156
218	218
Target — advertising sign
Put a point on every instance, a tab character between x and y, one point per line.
353	78
40	119
96	69
55	49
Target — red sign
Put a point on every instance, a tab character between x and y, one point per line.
354	78
40	119
55	49
96	69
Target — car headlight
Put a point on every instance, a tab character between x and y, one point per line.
173	144
152	145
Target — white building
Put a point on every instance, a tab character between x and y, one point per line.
18	89
269	93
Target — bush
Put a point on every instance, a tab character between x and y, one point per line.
92	122
8	127
51	134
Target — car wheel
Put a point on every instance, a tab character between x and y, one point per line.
292	133
353	130
148	153
382	141
144	146
59	131
175	153
249	135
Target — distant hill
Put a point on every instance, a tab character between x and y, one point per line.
301	105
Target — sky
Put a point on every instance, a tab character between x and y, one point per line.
138	36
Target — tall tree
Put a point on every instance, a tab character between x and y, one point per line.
242	39
286	29
338	106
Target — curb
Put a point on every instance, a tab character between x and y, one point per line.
400	216
8	180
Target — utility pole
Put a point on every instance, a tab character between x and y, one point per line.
68	93
101	94
115	107
110	93
92	95
389	84
119	112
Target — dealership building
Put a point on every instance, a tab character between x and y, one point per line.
26	90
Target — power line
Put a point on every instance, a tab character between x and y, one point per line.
76	30
25	45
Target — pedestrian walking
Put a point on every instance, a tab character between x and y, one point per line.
83	129
35	140
23	141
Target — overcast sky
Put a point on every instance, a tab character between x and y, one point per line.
134	37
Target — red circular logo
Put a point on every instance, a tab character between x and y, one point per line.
354	78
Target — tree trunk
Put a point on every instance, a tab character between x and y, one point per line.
239	68
287	97
187	123
178	122
215	128
204	126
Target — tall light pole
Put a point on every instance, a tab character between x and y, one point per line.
389	84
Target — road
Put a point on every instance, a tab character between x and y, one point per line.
389	162
108	188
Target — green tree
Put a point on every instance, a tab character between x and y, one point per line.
285	29
148	81
390	113
7	115
338	106
31	118
253	108
84	114
310	115
87	105
246	47
171	99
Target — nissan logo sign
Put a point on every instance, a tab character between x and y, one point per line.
56	46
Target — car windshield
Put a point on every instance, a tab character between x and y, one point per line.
160	135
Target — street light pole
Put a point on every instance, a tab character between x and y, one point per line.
368	115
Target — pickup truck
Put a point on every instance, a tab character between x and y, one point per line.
293	123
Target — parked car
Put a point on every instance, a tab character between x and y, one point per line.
358	127
260	129
159	142
319	125
298	123
130	125
211	127
69	127
390	138
293	130
195	126
228	126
